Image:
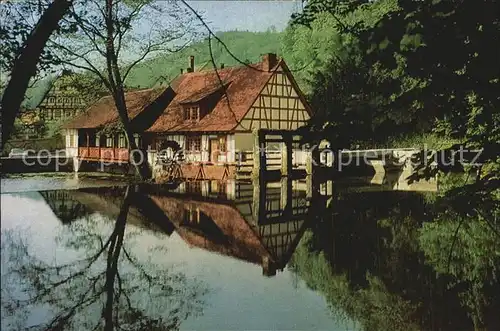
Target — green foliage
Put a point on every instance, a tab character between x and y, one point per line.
468	250
421	140
454	71
34	94
344	89
307	49
85	84
474	260
373	306
111	129
51	144
162	69
423	73
415	80
398	262
247	46
18	21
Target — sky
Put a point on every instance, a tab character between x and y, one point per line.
225	15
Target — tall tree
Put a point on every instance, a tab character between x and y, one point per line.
112	37
23	61
343	88
436	64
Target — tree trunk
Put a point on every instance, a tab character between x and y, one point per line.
116	85
25	65
114	251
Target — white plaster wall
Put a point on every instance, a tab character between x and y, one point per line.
205	185
231	148
177	138
190	156
231	189
244	141
205	157
71	151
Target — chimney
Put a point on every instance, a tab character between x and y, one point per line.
182	71
222	65
191	64
269	61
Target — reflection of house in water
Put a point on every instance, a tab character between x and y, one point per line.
261	223
242	220
70	205
257	222
64	205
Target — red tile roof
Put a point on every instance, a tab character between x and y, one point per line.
203	93
243	85
104	111
241	241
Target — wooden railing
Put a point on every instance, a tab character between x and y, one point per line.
103	154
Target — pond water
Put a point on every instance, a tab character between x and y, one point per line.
236	256
55	181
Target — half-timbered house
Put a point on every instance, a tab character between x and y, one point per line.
228	219
209	115
62	101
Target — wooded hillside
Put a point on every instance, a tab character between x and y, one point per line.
245	45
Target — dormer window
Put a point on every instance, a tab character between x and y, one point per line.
195	113
191	113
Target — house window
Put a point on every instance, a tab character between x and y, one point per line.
195	113
98	141
109	141
222	144
193	143
192	113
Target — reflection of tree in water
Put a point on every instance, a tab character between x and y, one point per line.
64	207
384	261
472	265
108	288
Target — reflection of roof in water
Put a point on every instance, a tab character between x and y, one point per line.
81	203
107	205
221	228
233	236
64	206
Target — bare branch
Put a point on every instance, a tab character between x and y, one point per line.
150	49
90	67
